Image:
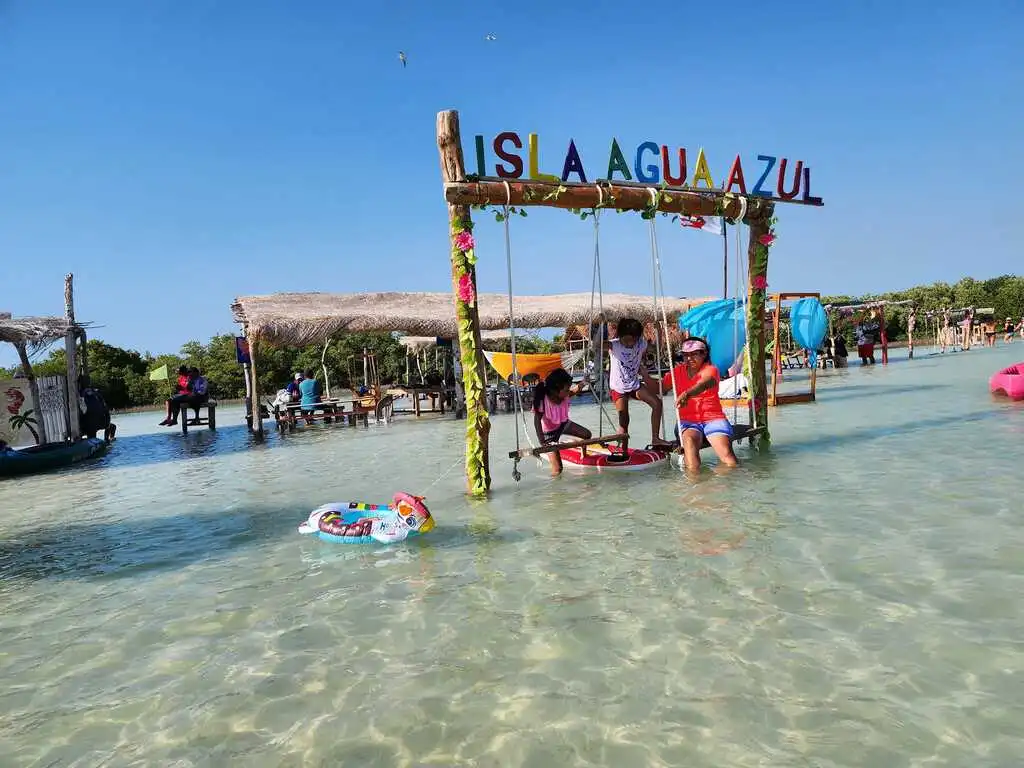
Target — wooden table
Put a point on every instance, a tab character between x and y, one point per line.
327	411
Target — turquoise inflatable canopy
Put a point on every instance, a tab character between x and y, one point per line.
723	324
809	322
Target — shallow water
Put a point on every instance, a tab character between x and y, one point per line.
851	600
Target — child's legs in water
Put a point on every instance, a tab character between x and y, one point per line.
654	401
622	407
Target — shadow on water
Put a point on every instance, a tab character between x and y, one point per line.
116	549
875	391
157	448
877	432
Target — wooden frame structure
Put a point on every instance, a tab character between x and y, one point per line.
880	305
461	192
774	398
24	332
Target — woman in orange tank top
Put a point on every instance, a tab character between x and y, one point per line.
699	410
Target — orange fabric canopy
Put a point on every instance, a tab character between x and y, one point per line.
539	364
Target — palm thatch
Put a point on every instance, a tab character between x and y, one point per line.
419	343
31	331
306	318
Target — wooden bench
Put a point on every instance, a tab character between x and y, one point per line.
210	420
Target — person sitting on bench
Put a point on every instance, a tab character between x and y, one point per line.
182	393
200	393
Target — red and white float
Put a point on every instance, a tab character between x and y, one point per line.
599	458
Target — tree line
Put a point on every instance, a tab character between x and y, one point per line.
1004	294
123	374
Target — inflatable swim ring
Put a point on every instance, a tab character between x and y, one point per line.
598	458
1009	381
356	522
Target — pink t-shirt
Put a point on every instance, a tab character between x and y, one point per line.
552	414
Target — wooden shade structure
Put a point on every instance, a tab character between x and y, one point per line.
879	306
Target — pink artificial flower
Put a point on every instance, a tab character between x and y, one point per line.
464	241
16	400
759	282
465	291
766	239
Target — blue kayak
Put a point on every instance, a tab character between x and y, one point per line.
43	458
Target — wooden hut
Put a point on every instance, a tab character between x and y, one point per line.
30	334
297	319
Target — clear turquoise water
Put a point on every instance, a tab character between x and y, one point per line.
853	600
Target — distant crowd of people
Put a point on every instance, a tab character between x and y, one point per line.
191	391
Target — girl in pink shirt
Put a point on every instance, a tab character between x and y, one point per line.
551	413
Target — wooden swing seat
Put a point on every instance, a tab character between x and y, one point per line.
606	440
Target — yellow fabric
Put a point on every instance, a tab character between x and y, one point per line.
539	364
160	374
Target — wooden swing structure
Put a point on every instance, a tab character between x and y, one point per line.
786	398
846	310
461	193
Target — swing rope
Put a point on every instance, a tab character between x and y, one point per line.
517	401
740	286
656	278
597	293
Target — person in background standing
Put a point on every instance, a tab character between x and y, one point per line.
911	325
839	353
968	327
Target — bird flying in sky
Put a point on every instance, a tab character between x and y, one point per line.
401	58
491	36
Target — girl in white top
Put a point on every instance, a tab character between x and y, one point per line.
629	380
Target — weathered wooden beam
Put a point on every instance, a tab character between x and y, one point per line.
617	196
464	288
551	448
71	352
757	281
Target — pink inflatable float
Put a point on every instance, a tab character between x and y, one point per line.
1009	382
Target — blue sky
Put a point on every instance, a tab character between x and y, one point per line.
175	154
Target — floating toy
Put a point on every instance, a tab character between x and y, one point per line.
599	458
355	522
1009	381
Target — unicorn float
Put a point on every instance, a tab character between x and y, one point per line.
356	522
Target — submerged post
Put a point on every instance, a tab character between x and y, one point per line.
71	351
254	388
463	260
757	269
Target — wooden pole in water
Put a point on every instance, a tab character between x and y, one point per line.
71	352
464	285
257	411
757	277
33	387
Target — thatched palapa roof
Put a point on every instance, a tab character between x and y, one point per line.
307	318
31	330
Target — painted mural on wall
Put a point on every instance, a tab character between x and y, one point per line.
18	422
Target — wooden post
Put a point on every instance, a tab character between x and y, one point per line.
911	324
884	337
248	394
757	271
71	352
83	358
464	285
776	348
33	387
254	388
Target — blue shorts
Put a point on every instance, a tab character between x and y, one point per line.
707	429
